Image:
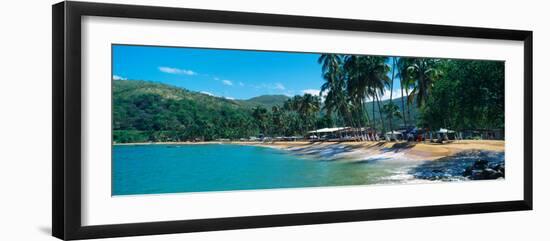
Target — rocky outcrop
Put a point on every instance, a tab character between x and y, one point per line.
481	170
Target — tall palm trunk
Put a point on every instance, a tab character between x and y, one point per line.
359	124
403	106
365	132
404	79
342	122
408	105
353	123
380	114
373	115
391	91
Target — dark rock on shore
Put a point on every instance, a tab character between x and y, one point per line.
499	168
461	167
481	170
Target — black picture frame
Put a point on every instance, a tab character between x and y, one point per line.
66	164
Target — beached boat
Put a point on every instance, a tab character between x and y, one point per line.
445	135
394	136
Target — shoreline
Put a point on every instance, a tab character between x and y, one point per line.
410	151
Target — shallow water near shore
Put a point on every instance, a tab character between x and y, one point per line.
154	169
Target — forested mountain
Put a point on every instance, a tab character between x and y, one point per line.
129	89
266	101
400	122
148	111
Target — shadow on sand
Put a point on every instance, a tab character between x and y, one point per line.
325	151
398	147
328	151
321	150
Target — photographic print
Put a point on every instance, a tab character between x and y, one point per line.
160	126
197	120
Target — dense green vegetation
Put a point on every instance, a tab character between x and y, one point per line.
266	101
456	94
146	111
470	95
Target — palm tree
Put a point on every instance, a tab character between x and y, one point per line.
380	111
425	73
391	90
366	78
292	105
334	86
355	92
381	81
261	115
309	105
405	82
278	120
391	110
305	107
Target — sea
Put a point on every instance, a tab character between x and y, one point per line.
158	169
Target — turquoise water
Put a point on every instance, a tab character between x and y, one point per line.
152	169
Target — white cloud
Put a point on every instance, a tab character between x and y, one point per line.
208	93
117	77
170	70
279	86
312	92
315	92
227	82
396	94
271	86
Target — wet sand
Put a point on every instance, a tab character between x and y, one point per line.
413	151
421	151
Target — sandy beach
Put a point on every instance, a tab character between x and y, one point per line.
422	151
413	151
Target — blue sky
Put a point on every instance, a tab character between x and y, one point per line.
234	74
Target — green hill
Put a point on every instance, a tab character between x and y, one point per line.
148	111
266	101
134	88
397	122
